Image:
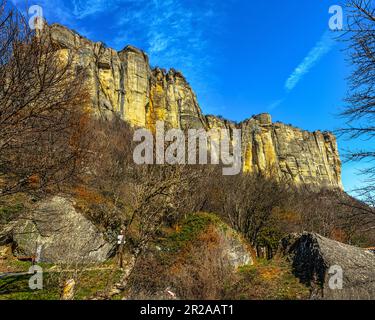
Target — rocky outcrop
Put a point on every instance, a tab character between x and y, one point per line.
333	270
173	101
57	233
287	152
235	249
123	82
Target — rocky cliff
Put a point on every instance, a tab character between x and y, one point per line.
123	82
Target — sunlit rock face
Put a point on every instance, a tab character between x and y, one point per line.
123	82
280	150
302	156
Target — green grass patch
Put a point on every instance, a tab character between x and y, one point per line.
268	280
88	284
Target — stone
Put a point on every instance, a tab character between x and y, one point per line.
318	262
5	252
264	119
62	233
285	152
68	290
231	245
124	83
236	250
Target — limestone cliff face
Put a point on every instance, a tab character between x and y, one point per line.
123	82
287	152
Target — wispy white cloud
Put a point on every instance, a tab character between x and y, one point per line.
51	9
173	32
275	104
85	8
323	46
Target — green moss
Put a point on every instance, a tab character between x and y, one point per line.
17	266
190	229
361	240
92	282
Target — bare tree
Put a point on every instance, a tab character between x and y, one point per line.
201	272
137	199
42	122
143	196
360	109
249	201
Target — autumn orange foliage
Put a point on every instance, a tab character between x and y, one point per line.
90	196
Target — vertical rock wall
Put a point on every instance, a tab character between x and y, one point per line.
123	82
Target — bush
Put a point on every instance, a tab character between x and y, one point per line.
189	261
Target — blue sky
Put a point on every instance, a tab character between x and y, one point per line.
242	57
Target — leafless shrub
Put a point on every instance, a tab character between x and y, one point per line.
248	202
333	214
42	122
198	271
360	109
205	273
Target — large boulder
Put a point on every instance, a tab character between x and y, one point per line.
58	233
333	270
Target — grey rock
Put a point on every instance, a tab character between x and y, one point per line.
318	261
236	251
63	235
